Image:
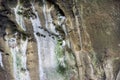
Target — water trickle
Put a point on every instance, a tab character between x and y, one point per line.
61	23
19	59
48	18
19	18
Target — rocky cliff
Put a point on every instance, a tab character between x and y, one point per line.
59	40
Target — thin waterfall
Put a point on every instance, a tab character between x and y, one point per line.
36	24
12	43
48	18
46	43
24	70
51	28
1	63
18	51
61	23
19	59
118	76
19	18
61	20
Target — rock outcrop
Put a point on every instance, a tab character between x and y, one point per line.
59	40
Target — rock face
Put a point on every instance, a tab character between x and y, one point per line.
59	40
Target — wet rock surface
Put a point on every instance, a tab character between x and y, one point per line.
67	39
